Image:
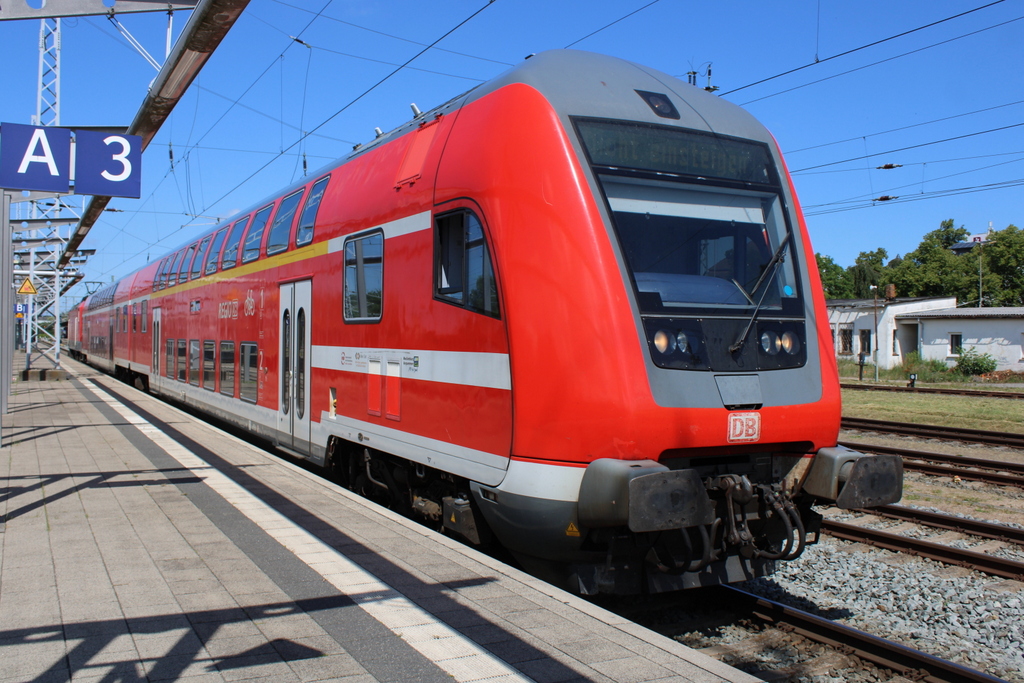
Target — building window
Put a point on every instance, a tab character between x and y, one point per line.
846	340
895	345
956	344
227	368
462	264
209	365
364	278
193	362
865	341
248	368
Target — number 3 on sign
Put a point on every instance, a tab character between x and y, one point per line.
120	157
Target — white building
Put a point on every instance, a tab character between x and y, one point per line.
858	324
998	332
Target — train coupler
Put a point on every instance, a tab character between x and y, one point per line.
855	480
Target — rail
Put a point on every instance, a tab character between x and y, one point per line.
976	393
903	660
945	465
934	432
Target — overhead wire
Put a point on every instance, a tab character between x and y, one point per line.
606	26
862	47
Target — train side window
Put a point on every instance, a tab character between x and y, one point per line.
464	275
234	239
124	318
304	234
227	368
193	362
197	262
169	364
247	372
172	272
209	365
282	228
160	270
211	258
182	360
145	313
364	278
254	238
135	318
186	262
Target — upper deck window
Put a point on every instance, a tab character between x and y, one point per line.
233	241
282	228
211	258
254	238
172	274
304	234
186	263
197	262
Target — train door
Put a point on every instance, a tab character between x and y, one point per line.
293	365
155	329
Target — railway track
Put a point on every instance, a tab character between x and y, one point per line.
934	432
943	464
881	652
976	393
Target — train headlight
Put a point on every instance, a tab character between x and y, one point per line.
664	342
790	343
770	342
682	342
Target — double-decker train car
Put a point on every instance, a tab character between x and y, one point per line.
574	311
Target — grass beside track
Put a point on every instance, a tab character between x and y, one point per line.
991	414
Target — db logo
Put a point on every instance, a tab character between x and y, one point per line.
744	427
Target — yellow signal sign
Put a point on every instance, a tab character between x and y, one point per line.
27	287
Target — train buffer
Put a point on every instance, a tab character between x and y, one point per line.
141	543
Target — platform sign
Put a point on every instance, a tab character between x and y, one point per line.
108	165
39	158
35	158
19	310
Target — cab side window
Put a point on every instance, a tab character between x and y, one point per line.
463	274
364	278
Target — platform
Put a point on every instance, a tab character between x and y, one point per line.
139	543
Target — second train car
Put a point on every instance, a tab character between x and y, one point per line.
574	311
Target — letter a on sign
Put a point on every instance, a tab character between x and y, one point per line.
27	287
35	158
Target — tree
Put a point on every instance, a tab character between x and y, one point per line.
867	271
1003	258
835	279
934	270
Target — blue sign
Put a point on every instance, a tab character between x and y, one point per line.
35	158
108	165
39	158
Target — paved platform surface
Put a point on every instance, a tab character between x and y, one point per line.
138	543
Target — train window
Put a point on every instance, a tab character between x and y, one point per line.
160	269
169	364
124	318
172	273
364	278
200	259
193	362
227	368
185	263
182	360
277	241
145	313
254	238
304	234
209	365
231	246
286	360
247	372
211	258
135	317
464	274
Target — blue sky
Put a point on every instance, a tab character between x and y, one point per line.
233	137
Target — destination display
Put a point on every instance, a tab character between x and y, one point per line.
664	149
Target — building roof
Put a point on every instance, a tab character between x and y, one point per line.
993	312
871	303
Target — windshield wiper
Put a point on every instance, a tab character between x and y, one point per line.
768	273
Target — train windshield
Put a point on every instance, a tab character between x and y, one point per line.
699	218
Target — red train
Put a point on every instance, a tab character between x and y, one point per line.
574	311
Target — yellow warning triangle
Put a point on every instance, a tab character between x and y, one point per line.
27	287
